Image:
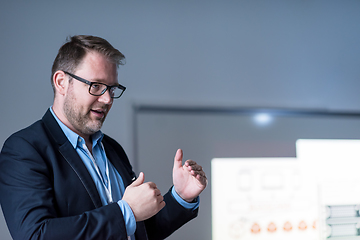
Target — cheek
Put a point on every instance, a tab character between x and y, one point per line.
88	102
108	110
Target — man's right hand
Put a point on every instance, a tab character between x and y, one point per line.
144	199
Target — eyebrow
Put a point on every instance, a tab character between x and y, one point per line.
89	82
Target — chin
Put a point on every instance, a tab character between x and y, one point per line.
91	128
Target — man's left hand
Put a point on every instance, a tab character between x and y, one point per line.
189	179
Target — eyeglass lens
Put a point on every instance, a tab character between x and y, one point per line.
98	89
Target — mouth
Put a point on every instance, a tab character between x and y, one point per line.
99	113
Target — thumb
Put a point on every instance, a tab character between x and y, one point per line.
178	159
139	180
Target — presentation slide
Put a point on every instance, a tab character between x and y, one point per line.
313	196
263	198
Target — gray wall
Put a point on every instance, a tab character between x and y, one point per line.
294	54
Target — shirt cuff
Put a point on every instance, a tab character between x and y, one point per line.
185	204
129	218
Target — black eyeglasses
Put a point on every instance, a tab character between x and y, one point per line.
98	89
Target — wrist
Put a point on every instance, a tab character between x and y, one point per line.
182	197
193	204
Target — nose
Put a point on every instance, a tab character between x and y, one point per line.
106	98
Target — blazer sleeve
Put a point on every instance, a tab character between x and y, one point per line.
169	219
29	204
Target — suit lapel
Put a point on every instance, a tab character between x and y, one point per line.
71	157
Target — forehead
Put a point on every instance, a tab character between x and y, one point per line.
97	67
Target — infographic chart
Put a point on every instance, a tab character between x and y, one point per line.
313	196
269	198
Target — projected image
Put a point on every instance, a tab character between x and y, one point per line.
313	196
267	198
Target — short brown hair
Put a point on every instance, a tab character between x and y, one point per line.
74	50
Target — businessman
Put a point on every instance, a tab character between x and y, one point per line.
62	178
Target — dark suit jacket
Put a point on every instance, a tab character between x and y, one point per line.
46	191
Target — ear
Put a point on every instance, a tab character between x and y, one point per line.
60	82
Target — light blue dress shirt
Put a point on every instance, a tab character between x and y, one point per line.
108	181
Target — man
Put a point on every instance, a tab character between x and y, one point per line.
62	178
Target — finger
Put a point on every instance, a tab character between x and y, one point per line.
152	185
201	173
160	198
139	180
161	205
178	159
195	168
190	163
198	175
202	178
157	192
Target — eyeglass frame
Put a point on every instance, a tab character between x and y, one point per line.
123	88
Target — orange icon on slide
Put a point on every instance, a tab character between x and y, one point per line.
255	228
314	225
287	226
272	227
302	225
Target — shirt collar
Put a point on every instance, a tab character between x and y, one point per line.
75	138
